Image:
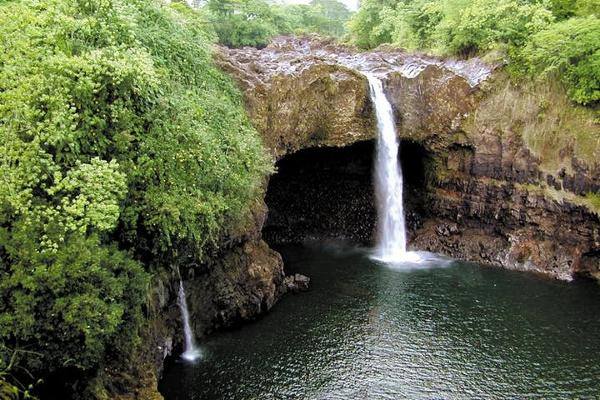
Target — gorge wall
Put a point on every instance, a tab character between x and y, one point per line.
486	197
242	279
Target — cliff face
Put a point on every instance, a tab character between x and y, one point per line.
242	280
486	196
475	190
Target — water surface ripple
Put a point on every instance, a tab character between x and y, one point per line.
365	331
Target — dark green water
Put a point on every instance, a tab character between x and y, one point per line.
365	331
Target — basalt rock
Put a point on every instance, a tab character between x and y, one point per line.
480	193
241	281
297	283
484	198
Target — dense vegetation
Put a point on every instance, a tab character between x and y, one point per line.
560	38
254	22
120	144
124	150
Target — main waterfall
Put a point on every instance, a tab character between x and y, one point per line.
391	241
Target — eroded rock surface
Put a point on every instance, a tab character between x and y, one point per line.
481	179
474	190
307	92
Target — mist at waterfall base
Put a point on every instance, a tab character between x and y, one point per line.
389	191
367	331
191	352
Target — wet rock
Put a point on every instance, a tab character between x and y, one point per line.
296	283
310	93
447	229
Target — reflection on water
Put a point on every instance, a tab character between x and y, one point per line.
368	331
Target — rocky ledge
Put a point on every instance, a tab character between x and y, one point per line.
485	197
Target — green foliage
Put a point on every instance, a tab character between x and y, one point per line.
8	391
563	9
70	304
414	24
487	24
570	50
450	26
593	200
525	31
366	25
326	17
120	142
241	23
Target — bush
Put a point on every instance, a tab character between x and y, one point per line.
120	142
570	50
367	27
563	9
69	305
485	24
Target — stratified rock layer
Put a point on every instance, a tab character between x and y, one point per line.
480	177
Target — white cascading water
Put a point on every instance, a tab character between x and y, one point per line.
190	353
391	246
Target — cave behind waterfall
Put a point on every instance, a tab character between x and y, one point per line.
327	193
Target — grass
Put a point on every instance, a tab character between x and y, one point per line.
550	125
593	202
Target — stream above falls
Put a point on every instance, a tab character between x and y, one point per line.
363	330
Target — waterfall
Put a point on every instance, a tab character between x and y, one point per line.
391	240
190	353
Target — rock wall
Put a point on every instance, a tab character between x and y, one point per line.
479	193
241	280
487	198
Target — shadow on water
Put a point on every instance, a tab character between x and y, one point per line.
365	330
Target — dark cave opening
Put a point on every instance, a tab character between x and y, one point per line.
327	193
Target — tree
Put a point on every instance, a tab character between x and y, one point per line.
123	150
366	28
569	50
241	23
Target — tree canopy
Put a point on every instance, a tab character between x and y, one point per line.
241	23
537	36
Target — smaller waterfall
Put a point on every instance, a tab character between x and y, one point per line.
391	246
190	353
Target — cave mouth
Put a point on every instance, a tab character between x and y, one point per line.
327	193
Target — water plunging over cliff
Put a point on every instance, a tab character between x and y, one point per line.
391	240
190	352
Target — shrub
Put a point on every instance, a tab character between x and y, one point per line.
570	50
120	142
484	25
